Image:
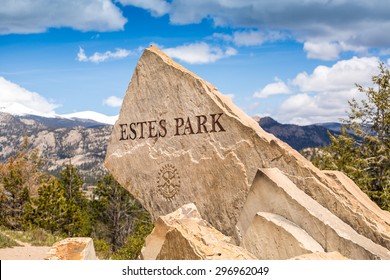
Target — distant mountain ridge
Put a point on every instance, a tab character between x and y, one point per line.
300	137
83	142
59	141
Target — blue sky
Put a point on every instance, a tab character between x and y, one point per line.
295	60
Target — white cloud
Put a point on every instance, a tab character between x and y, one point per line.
32	16
323	95
12	94
330	27
340	76
81	56
113	101
199	53
278	87
329	50
156	7
98	57
322	50
248	38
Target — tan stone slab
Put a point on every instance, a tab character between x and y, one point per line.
76	248
272	237
184	235
321	256
273	192
178	140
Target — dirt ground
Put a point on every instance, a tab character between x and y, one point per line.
24	253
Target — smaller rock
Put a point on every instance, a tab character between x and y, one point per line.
78	248
184	235
272	237
321	256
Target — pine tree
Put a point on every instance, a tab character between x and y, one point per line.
366	157
20	178
60	206
72	183
117	213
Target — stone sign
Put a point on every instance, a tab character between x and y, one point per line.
178	141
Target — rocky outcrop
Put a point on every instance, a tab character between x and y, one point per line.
184	235
77	248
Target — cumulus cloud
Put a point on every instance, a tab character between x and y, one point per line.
31	16
278	87
98	57
199	53
12	94
340	76
339	24
113	101
329	50
322	96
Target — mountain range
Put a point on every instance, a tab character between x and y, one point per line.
300	137
81	139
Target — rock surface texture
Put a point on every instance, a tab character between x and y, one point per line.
321	256
77	248
272	237
184	235
178	141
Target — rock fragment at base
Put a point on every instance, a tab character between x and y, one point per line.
184	235
77	248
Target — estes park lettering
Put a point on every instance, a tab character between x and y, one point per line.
177	127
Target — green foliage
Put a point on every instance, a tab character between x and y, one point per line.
134	243
6	242
102	249
49	208
20	178
35	237
70	179
365	158
117	214
60	206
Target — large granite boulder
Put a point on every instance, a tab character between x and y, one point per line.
178	141
184	235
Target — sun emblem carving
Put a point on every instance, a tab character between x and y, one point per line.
168	182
